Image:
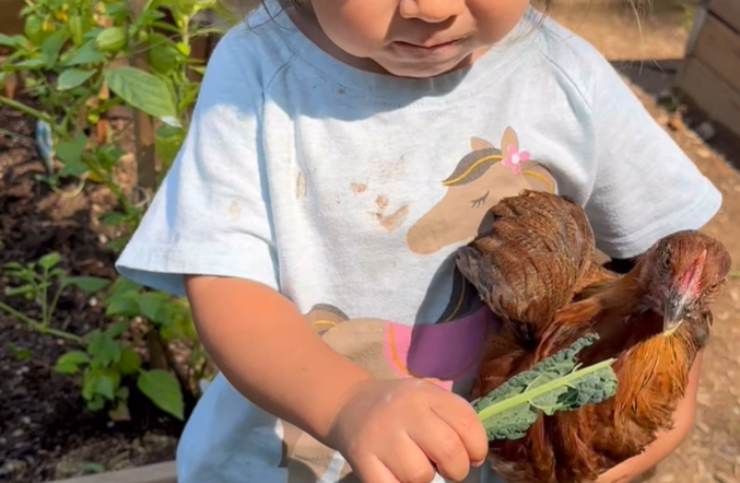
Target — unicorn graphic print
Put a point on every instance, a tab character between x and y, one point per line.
448	349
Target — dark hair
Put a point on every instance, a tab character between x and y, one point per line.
305	3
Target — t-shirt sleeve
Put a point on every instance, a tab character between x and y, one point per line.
644	187
211	214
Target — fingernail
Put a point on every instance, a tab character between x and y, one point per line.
479	463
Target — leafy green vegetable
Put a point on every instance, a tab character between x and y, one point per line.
72	78
143	91
164	391
555	384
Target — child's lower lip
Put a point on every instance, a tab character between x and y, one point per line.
440	50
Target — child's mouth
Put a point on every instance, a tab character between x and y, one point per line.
441	49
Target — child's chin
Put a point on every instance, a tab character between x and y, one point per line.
420	71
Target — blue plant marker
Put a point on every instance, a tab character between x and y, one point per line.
45	144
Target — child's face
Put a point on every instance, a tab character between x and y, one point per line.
417	38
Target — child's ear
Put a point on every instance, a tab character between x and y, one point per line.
476	144
509	139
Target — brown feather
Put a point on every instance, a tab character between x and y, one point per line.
536	270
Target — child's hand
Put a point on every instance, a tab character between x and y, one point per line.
395	430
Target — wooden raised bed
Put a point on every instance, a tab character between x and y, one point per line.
710	76
157	473
10	20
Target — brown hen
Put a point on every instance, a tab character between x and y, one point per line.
536	269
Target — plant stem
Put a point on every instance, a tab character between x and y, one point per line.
533	393
18	315
180	373
54	301
38	327
45	315
15	135
26	109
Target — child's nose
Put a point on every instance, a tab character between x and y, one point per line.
432	11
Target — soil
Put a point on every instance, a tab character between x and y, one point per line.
45	433
629	30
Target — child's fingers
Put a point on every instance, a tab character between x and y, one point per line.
443	446
372	469
408	462
460	416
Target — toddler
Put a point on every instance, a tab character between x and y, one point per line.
339	153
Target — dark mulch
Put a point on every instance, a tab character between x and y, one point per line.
45	433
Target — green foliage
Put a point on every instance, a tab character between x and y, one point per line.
70	362
73	77
43	282
163	389
72	59
144	91
103	365
111	39
169	315
110	366
21	354
78	42
555	384
107	364
167	143
91	468
78	60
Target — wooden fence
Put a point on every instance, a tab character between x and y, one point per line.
710	76
10	22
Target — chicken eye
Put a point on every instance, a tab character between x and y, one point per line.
665	260
479	201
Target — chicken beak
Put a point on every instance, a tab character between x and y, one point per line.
673	313
682	295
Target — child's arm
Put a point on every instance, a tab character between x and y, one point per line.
387	430
666	442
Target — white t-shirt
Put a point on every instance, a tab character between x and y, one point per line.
349	192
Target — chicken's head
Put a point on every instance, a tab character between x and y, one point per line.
679	273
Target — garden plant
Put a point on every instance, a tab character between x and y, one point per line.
75	64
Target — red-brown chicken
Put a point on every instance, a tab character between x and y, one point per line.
536	270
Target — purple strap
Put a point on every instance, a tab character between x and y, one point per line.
450	350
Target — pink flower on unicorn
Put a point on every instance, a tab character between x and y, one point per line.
514	158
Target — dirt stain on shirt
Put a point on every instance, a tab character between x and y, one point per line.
394	220
235	210
382	202
301	187
358	188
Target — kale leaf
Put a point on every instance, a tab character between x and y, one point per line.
555	384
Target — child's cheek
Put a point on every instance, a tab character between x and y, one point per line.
496	18
358	27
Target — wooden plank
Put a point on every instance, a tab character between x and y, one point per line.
157	473
728	11
718	47
146	158
700	17
10	19
719	101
